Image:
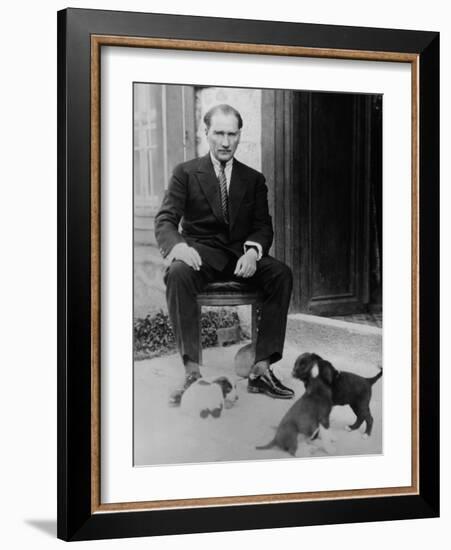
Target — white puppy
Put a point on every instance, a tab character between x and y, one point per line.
209	397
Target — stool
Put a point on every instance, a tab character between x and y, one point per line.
230	293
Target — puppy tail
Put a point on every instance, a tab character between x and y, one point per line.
375	378
269	445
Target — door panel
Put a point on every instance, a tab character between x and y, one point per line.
323	147
333	204
334	219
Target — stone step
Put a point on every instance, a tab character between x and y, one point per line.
331	338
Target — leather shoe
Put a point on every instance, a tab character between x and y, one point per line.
278	383
270	385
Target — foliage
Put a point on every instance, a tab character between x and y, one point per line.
153	335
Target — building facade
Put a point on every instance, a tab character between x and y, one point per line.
321	154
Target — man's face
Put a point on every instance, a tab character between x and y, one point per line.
223	136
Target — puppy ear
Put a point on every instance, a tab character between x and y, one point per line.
327	372
225	384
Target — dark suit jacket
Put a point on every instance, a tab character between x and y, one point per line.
193	196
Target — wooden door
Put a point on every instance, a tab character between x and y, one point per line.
323	170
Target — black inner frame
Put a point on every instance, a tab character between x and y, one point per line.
75	520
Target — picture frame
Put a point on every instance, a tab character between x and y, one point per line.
81	36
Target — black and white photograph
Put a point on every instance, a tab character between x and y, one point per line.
257	273
225	274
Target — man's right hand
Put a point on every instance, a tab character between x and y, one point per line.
188	254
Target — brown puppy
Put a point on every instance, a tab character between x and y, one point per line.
308	416
347	388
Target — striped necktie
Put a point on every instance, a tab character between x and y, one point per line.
224	197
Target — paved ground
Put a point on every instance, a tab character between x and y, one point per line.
372	319
163	435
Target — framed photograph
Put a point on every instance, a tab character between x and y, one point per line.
248	274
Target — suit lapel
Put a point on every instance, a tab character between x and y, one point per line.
237	190
210	185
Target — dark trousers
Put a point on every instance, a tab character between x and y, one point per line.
183	284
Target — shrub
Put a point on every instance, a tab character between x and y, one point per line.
153	335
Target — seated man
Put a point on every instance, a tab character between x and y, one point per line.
226	233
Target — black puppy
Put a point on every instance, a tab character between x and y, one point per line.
347	388
308	416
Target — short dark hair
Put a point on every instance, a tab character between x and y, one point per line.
226	110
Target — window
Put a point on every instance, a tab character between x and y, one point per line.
149	148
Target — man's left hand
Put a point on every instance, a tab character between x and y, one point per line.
246	266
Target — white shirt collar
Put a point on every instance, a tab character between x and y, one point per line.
217	164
